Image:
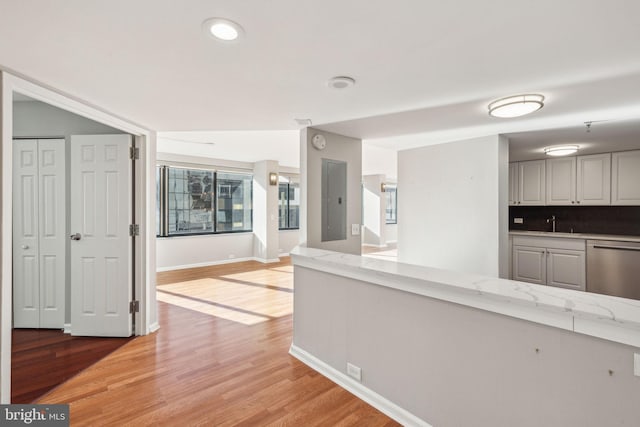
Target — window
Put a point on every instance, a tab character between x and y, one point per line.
289	202
234	205
391	193
200	201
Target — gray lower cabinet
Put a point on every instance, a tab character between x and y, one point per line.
550	261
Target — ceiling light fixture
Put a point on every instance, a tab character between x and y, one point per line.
222	29
561	150
341	82
516	106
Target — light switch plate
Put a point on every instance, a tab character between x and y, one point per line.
355	229
636	364
518	220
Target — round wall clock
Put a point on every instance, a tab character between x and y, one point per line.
319	141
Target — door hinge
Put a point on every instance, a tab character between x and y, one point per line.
134	306
134	153
134	230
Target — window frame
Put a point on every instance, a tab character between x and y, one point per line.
288	183
163	207
394	209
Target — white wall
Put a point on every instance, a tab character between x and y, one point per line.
379	161
38	119
391	233
198	251
338	147
373	211
452	207
265	212
287	240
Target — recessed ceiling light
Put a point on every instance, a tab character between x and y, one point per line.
222	29
561	150
341	82
516	106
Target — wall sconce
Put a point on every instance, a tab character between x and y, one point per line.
383	187
273	178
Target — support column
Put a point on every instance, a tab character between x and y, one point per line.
265	212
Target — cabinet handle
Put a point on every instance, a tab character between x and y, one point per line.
572	202
578	202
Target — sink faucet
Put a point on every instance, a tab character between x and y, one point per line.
552	220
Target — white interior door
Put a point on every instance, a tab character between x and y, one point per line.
52	208
101	257
26	281
39	235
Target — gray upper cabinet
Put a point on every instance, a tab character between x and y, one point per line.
531	183
561	181
594	179
582	180
578	181
513	184
625	182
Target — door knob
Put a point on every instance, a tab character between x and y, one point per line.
25	246
76	236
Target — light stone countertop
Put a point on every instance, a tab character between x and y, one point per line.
612	318
585	236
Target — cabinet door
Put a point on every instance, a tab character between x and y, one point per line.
566	269
531	182
625	185
513	184
594	179
561	181
529	264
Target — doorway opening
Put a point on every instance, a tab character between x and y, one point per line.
72	246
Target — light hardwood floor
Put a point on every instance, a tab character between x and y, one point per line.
220	359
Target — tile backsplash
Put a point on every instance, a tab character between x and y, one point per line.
622	220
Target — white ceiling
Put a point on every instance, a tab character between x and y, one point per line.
442	62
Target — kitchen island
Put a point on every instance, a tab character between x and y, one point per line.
437	347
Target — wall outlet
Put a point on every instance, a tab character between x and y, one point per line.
518	220
355	229
354	372
636	364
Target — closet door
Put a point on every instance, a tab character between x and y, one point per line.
39	233
26	276
52	231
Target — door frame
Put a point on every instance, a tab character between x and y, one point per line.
144	263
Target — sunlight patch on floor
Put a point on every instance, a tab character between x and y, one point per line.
232	297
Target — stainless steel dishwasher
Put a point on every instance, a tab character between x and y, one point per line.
613	268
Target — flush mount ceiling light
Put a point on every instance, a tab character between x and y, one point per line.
341	82
561	150
222	29
516	106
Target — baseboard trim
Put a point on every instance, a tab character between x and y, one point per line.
154	327
67	328
370	245
205	264
379	402
267	261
